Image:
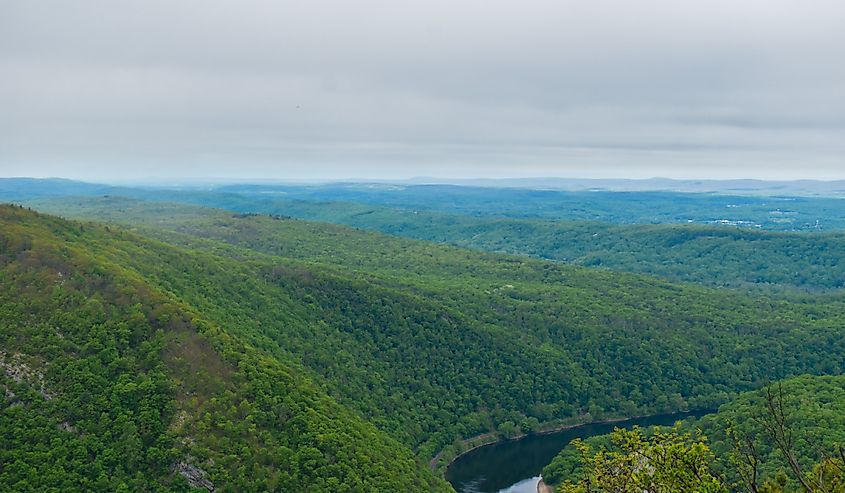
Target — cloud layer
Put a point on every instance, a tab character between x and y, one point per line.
294	89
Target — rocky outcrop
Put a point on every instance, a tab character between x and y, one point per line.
196	477
15	368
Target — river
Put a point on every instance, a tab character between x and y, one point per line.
513	466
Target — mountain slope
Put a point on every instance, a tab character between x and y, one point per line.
722	256
111	383
712	255
435	343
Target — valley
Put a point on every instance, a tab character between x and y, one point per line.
420	345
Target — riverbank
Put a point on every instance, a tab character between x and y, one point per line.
491	438
542	487
516	464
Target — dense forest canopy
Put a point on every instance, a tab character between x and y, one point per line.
250	350
113	384
740	258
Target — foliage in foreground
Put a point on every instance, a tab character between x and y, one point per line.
675	461
665	462
785	438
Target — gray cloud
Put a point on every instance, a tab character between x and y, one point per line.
112	89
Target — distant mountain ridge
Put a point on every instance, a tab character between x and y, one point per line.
820	188
732	186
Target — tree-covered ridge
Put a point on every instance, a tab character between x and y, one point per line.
786	437
713	255
112	384
436	343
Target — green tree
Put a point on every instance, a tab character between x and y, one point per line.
665	462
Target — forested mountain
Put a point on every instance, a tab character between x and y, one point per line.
112	383
738	256
435	343
721	256
715	255
281	353
753	437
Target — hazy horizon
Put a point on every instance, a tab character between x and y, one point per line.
653	182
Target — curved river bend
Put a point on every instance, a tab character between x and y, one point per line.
514	466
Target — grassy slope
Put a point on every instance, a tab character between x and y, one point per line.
433	342
137	379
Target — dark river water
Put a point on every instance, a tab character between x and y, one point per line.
514	466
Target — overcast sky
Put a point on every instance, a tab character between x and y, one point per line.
392	89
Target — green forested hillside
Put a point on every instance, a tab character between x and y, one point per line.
721	256
814	412
435	343
112	383
714	255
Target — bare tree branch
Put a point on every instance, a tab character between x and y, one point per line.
775	425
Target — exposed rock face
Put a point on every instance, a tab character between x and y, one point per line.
15	368
196	477
65	426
